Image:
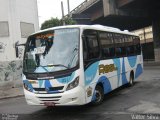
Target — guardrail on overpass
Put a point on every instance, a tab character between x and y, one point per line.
83	6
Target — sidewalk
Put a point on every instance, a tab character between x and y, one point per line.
11	92
151	63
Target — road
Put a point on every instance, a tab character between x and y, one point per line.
124	103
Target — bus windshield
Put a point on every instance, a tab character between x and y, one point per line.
52	51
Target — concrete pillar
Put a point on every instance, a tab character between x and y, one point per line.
156	38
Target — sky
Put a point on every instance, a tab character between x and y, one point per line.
52	8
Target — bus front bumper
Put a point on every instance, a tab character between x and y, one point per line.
75	96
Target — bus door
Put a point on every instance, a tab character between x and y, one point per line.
91	54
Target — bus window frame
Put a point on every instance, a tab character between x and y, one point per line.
56	74
122	45
88	62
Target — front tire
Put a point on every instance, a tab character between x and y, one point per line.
99	95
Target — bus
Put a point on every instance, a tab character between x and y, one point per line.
79	64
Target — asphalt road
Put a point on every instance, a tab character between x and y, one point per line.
141	101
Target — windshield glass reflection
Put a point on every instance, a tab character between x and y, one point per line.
52	51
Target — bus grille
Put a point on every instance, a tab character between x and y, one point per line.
54	99
50	89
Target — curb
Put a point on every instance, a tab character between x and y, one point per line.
151	63
14	96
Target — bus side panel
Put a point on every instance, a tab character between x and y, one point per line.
135	64
111	73
139	67
100	72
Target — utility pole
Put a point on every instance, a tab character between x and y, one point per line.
62	13
69	15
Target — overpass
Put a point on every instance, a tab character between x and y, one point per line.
123	14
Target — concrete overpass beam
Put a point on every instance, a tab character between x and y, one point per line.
156	38
97	14
121	3
109	7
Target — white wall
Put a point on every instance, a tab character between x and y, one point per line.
16	11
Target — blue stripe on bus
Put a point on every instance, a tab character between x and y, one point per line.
139	70
47	84
124	79
90	73
67	79
132	60
27	83
106	86
40	83
117	63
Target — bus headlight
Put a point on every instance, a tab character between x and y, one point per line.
73	84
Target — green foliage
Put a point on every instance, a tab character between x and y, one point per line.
69	21
50	23
53	22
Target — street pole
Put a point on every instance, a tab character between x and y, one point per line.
62	9
145	44
69	15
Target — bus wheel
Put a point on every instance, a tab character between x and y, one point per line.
99	95
131	80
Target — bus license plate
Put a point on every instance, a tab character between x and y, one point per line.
49	104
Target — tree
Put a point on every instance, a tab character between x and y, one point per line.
50	23
53	22
69	21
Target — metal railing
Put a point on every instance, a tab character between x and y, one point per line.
83	6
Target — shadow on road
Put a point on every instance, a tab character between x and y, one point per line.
87	112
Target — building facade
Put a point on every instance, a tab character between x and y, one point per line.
146	37
145	34
18	19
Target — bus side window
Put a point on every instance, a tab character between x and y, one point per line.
112	52
119	45
138	49
137	46
130	50
107	45
92	46
129	46
118	52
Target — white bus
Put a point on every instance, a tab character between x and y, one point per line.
78	64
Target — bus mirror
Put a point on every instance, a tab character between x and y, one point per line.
17	48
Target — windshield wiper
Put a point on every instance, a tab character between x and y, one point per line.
43	67
57	65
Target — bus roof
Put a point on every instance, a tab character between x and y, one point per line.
94	27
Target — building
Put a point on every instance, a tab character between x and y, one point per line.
145	34
146	37
18	19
